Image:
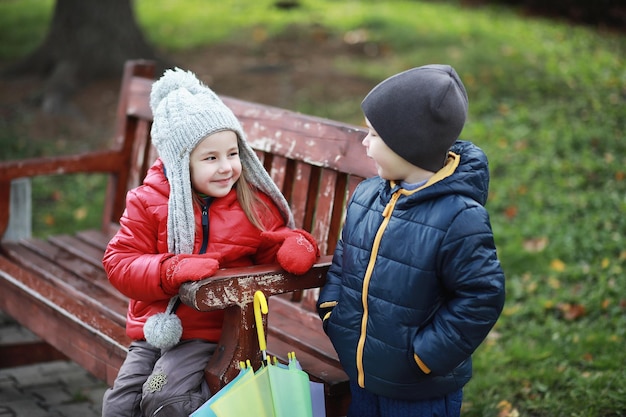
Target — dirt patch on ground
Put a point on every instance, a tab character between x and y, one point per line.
278	73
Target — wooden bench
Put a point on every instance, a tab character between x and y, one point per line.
57	288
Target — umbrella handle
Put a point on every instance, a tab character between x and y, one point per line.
260	306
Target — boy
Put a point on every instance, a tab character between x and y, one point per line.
415	285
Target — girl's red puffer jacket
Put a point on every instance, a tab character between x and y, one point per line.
133	257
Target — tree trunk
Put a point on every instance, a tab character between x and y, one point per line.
87	39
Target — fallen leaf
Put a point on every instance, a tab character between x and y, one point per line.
554	283
534	245
56	195
80	213
572	311
557	265
507	410
510	212
49	219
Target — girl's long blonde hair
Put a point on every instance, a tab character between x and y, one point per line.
253	206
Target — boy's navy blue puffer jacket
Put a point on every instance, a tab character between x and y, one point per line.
415	285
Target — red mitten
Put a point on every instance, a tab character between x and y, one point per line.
298	251
182	268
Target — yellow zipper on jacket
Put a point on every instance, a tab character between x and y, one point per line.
447	170
368	274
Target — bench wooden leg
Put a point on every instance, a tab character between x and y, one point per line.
238	326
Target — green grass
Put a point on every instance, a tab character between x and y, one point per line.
547	104
23	25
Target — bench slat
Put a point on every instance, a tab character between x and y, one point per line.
85	253
59	269
96	238
82	249
88	338
318	141
300	193
301	329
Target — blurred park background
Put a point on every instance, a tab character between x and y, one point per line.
547	88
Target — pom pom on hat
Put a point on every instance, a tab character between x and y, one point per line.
173	80
419	113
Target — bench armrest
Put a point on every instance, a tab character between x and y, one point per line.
233	291
103	161
93	162
236	286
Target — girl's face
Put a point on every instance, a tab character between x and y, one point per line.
214	164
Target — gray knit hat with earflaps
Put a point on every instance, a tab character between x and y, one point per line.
185	112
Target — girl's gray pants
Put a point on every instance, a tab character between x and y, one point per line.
152	383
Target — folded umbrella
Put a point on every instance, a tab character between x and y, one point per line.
275	390
245	374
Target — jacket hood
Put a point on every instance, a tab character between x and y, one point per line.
470	179
156	178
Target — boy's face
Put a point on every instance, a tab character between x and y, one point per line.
215	165
389	164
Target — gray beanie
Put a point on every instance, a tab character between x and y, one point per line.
185	112
419	113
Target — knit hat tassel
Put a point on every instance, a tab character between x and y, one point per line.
164	330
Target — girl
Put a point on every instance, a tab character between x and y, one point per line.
206	203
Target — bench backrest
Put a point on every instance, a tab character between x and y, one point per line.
315	162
